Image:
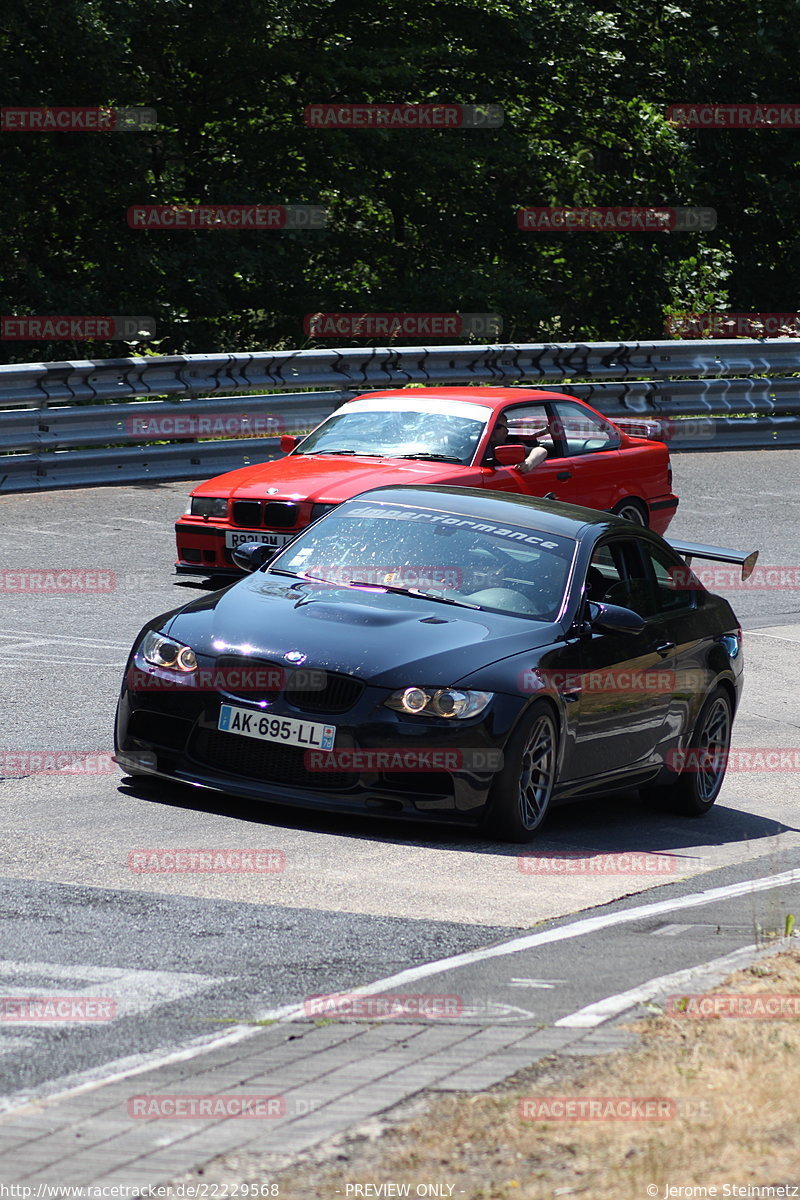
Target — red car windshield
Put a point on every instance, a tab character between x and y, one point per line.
433	433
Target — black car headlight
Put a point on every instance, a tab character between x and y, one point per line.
209	506
167	653
439	702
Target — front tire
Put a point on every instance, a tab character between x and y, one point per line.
519	800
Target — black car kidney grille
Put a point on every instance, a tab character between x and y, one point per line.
339	693
259	679
251	678
268	762
279	515
246	513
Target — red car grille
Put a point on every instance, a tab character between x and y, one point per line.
274	514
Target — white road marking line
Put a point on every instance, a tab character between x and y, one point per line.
535	983
80	662
561	933
774	636
126	1068
47	532
10	1045
671	930
59	638
495	1010
612	1006
133	992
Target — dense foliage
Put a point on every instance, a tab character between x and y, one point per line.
419	220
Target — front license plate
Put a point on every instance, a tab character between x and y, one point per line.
267	728
232	540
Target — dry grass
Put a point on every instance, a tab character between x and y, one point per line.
736	1087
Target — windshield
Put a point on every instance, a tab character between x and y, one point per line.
448	431
505	568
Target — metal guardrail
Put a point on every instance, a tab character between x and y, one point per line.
70	424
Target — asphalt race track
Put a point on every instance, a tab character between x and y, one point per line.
359	900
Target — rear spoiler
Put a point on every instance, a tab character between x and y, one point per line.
690	550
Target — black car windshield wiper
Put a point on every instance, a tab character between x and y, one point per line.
426	454
416	593
362	453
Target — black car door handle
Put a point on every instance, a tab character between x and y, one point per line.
665	648
564	475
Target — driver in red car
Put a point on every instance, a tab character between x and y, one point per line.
500	436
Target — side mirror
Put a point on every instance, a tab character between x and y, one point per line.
612	618
288	442
252	555
510	455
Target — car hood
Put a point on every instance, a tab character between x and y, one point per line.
387	638
332	478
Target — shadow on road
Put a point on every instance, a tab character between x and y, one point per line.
617	823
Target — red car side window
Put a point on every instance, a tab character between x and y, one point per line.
581	432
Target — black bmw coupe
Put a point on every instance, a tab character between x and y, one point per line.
448	652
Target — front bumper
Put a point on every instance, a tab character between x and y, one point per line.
201	548
173	735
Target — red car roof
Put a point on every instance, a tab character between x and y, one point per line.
492	397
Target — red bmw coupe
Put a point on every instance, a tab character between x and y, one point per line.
447	435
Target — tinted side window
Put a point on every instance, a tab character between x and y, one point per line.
616	576
673	580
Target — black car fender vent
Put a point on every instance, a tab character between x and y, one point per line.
162	729
424	784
